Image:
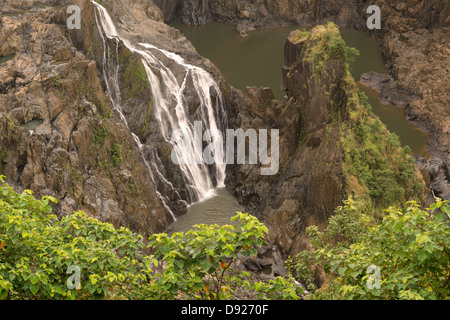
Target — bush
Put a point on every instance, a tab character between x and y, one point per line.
116	154
100	135
384	170
338	49
328	45
36	250
410	249
199	262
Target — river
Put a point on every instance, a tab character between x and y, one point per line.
256	61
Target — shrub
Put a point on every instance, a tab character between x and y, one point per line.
116	154
199	262
410	247
100	135
37	251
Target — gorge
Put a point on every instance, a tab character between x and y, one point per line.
87	115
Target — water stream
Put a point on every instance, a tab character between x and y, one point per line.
170	107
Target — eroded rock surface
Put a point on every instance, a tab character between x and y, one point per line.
78	149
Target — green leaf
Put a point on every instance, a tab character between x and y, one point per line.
342	270
205	264
440	217
421	255
34	288
34	279
446	209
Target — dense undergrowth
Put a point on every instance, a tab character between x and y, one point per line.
79	257
406	256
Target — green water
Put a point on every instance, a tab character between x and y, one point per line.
4	59
370	59
218	209
255	60
32	125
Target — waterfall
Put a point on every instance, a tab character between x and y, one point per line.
171	109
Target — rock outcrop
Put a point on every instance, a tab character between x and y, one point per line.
321	143
415	37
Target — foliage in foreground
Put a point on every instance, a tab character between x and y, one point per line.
410	248
199	262
38	253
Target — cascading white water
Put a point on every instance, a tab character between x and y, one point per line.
168	100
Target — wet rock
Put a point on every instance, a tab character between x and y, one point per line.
438	171
265	263
252	264
387	88
169	8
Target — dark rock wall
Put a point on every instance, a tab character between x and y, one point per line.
79	151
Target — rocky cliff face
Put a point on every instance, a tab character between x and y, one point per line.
59	133
247	15
321	143
416	43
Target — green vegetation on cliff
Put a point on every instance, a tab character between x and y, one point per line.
376	165
328	45
134	76
378	171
